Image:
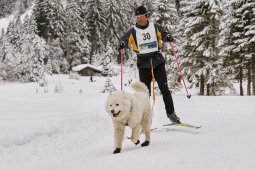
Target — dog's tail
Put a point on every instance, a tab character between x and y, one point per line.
141	87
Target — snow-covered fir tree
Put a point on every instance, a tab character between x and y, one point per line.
108	87
116	23
57	19
165	14
84	33
201	22
56	56
73	44
108	60
178	6
10	57
184	6
237	41
97	25
6	7
34	50
41	12
248	17
148	4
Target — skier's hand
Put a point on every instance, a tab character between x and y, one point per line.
169	38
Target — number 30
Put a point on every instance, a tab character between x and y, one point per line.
146	36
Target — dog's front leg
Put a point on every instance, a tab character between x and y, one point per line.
146	126
118	137
135	134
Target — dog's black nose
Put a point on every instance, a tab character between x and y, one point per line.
112	111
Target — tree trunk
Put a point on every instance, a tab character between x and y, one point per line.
91	56
202	85
178	6
207	85
248	79
253	75
241	80
208	89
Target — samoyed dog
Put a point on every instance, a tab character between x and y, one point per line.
133	110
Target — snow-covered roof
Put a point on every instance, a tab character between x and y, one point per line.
82	66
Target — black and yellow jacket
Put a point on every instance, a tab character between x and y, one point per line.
143	60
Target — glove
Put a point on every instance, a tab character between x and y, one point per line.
122	45
169	38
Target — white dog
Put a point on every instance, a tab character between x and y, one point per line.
133	110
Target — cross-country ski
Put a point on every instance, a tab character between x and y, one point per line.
183	125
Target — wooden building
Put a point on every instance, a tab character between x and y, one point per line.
87	70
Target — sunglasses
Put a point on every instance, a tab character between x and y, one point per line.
139	16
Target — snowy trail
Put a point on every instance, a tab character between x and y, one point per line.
72	131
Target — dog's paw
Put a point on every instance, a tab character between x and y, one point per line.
145	143
117	150
138	141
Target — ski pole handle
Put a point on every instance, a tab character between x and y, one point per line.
179	67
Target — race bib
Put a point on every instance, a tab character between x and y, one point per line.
147	39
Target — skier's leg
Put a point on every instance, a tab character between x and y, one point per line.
145	77
160	76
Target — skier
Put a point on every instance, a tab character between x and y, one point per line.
146	38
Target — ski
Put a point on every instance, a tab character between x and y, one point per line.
184	125
174	124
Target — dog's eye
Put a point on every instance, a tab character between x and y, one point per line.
117	104
110	105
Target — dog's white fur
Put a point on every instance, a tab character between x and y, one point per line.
130	109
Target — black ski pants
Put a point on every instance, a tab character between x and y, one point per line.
161	78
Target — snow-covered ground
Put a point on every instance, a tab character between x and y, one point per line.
72	131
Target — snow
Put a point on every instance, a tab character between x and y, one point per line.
4	22
72	131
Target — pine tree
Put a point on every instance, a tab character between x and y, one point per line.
34	50
84	33
96	26
238	41
178	6
165	14
201	22
108	87
116	25
148	4
10	59
248	19
56	56
57	19
41	12
108	59
76	49
6	7
184	6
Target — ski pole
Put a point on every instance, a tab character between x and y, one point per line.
121	68
179	67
